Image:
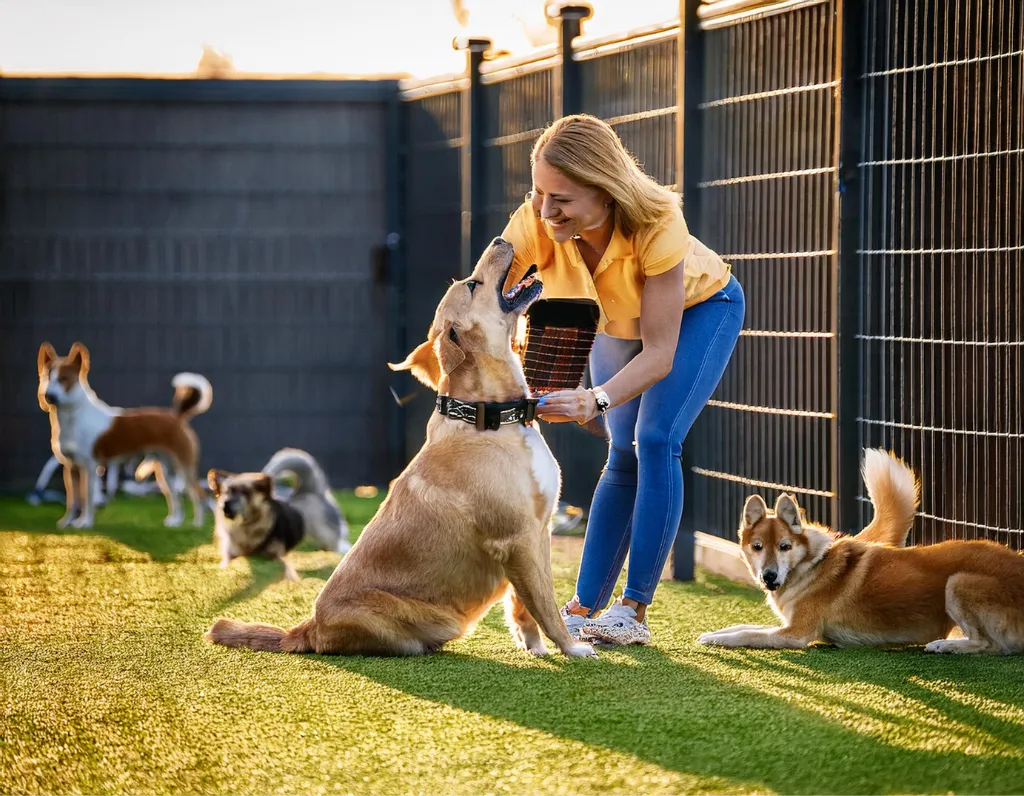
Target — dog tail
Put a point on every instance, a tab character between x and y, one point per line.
894	491
309	478
193	394
260	637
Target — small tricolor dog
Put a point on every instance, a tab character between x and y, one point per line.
86	432
252	521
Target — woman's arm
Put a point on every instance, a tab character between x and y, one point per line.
661	313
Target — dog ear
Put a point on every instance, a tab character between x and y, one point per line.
449	353
45	358
788	510
215	478
79	357
44	361
754	510
422	363
264	484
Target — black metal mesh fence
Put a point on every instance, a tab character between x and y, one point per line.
431	218
768	204
941	338
224	227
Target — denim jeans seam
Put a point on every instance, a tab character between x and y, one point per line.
649	593
609	584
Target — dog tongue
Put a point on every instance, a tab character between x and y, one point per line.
518	287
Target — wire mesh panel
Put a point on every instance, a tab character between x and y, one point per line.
518	108
942	258
432	222
768	205
632	86
183	225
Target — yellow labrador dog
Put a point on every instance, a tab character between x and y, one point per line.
467	523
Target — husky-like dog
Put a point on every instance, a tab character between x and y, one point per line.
869	590
251	521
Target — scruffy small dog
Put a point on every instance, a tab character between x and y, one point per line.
250	521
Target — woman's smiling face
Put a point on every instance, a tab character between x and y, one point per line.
566	206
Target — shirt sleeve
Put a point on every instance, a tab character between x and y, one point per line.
667	246
520	233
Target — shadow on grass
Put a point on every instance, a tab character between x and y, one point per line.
136	523
681	717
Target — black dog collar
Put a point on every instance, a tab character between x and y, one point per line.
488	416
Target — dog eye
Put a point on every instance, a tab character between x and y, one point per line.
452	336
471	284
757	546
784	546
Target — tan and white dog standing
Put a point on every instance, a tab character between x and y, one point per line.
467	523
869	590
86	432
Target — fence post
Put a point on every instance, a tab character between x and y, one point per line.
850	43
474	176
569	93
689	146
393	255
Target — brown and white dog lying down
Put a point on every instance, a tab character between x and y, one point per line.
86	432
869	590
467	522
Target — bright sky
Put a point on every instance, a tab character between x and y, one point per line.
275	36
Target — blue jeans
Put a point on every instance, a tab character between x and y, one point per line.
639	498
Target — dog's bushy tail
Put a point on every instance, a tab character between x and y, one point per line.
308	475
260	637
894	492
193	394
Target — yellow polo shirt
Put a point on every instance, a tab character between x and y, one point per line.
618	281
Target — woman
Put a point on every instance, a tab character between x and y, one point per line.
597	226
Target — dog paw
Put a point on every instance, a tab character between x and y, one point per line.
581	650
65	521
707	638
539	650
172	522
81	522
946	646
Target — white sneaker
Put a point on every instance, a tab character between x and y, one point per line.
573	623
618	625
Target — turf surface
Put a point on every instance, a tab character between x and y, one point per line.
106	686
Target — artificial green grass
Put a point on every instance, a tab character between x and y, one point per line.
106	686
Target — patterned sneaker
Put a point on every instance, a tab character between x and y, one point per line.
573	623
618	625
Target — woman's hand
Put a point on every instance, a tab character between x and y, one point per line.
563	406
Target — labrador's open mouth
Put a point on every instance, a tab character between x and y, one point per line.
523	293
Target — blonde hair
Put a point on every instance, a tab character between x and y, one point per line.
588	151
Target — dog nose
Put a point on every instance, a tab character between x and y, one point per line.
770	578
50	397
500	242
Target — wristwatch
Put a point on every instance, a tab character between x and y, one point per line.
603	401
